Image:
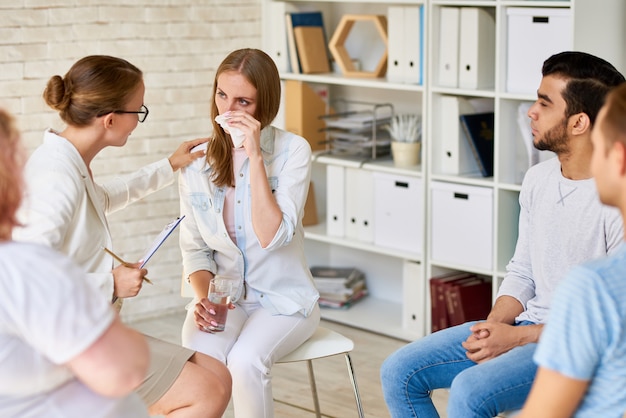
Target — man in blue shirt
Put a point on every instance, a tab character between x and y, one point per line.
582	350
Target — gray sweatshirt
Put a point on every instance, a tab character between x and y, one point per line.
562	223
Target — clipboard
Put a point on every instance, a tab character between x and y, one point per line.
160	239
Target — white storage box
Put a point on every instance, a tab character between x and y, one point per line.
462	225
534	34
398	212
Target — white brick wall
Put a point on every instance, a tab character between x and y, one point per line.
178	45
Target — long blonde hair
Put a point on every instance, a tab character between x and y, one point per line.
259	69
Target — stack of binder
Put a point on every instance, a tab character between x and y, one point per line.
339	287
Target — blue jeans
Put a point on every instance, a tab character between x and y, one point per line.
438	361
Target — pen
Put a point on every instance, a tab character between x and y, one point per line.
115	256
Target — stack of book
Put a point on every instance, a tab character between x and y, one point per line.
306	43
339	287
458	297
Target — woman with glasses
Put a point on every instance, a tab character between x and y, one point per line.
101	101
243	208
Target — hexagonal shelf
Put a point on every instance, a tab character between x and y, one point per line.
341	54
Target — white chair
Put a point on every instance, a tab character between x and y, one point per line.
325	343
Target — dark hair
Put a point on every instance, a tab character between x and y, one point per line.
588	80
614	126
259	69
94	86
12	160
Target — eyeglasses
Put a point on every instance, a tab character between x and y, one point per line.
141	114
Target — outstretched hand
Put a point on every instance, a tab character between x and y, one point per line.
183	156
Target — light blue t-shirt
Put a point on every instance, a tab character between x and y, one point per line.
585	337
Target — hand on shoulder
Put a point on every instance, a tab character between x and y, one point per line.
185	154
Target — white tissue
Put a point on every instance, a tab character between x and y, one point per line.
235	133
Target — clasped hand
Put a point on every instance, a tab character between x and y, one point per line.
489	339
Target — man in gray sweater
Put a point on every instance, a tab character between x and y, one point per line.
488	365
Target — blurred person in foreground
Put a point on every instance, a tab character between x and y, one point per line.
64	353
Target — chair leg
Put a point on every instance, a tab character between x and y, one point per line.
357	397
316	402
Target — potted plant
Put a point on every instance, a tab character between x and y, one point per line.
406	139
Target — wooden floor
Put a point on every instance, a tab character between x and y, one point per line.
292	392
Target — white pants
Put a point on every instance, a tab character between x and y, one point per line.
252	342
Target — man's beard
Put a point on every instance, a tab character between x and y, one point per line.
555	139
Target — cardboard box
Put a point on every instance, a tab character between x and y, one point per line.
534	34
398	212
304	104
462	225
310	208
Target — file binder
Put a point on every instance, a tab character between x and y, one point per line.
359	205
477	49
405	44
335	200
275	43
456	154
414	44
448	66
395	40
413	298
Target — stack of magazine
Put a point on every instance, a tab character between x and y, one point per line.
339	287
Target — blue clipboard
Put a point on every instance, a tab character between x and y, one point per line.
160	239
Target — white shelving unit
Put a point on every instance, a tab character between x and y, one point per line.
586	18
399	304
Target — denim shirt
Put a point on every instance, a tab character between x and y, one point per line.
279	272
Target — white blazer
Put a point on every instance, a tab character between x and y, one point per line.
66	210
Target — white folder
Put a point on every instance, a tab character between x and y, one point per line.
413	44
275	38
456	154
359	204
477	48
365	202
352	202
335	200
395	42
413	298
448	65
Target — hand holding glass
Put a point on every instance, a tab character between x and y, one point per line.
219	297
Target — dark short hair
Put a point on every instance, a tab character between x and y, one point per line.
588	80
